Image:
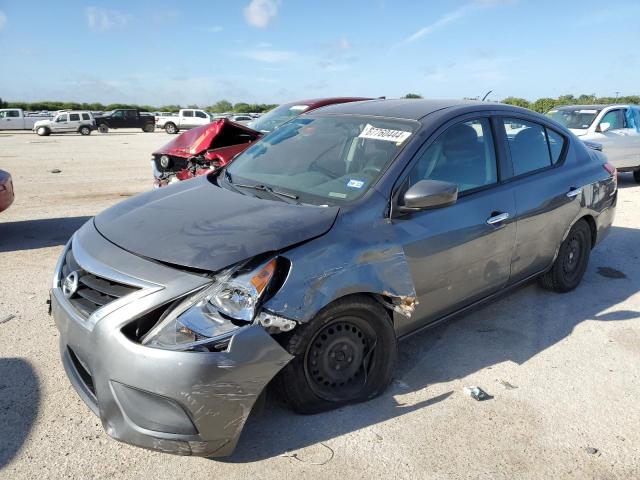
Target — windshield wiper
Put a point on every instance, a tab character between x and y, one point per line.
264	188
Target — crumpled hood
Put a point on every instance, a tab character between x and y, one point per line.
197	140
200	225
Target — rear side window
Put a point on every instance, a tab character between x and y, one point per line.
188	113
85	116
13	113
556	145
463	154
74	117
528	145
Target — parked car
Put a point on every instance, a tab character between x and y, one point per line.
125	118
243	119
310	255
187	118
6	190
285	112
15	119
191	156
615	127
80	121
200	151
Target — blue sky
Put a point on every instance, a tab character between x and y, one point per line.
160	52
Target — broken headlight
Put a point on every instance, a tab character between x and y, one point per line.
213	312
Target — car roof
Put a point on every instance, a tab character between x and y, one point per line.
314	103
405	108
595	106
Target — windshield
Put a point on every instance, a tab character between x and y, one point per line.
578	118
321	159
276	117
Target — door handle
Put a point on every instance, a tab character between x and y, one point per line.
497	218
574	192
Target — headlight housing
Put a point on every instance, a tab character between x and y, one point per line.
165	161
213	312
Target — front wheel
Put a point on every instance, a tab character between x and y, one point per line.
85	131
170	128
43	131
103	128
636	175
346	354
572	260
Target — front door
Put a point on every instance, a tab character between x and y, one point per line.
61	123
460	253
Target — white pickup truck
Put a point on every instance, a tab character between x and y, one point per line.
15	119
187	118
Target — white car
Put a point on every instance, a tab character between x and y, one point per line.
80	121
615	127
186	118
17	119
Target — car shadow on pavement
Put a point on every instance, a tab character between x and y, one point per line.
19	403
512	329
32	234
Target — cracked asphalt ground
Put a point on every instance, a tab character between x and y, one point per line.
563	370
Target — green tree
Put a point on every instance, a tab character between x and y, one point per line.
242	108
412	95
543	105
221	106
518	102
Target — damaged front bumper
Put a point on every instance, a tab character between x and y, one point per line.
187	403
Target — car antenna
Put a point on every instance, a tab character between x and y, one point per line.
486	95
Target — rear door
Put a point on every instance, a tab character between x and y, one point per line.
186	119
74	122
11	120
547	195
460	253
130	119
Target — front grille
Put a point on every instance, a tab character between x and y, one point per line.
93	292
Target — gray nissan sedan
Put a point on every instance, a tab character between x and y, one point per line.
306	259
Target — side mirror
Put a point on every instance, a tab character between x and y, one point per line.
427	194
603	127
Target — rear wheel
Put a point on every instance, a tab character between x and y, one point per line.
103	128
85	130
171	128
346	354
43	131
572	260
636	175
149	128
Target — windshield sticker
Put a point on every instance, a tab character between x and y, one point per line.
587	111
386	134
298	107
337	195
353	183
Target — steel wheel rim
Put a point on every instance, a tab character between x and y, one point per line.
339	359
573	256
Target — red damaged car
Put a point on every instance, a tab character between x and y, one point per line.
6	190
206	148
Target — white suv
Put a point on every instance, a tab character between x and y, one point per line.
80	121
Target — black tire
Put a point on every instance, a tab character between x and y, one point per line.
43	131
85	130
171	128
149	128
346	354
571	263
102	128
636	175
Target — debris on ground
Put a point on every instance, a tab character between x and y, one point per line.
477	393
6	318
507	385
609	272
56	170
591	450
296	457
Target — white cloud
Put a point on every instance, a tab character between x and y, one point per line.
269	56
101	19
259	13
3	19
454	15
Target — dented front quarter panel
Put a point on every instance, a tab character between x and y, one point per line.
360	254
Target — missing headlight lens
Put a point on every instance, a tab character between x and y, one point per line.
213	312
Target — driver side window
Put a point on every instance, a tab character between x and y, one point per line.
62	118
464	155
